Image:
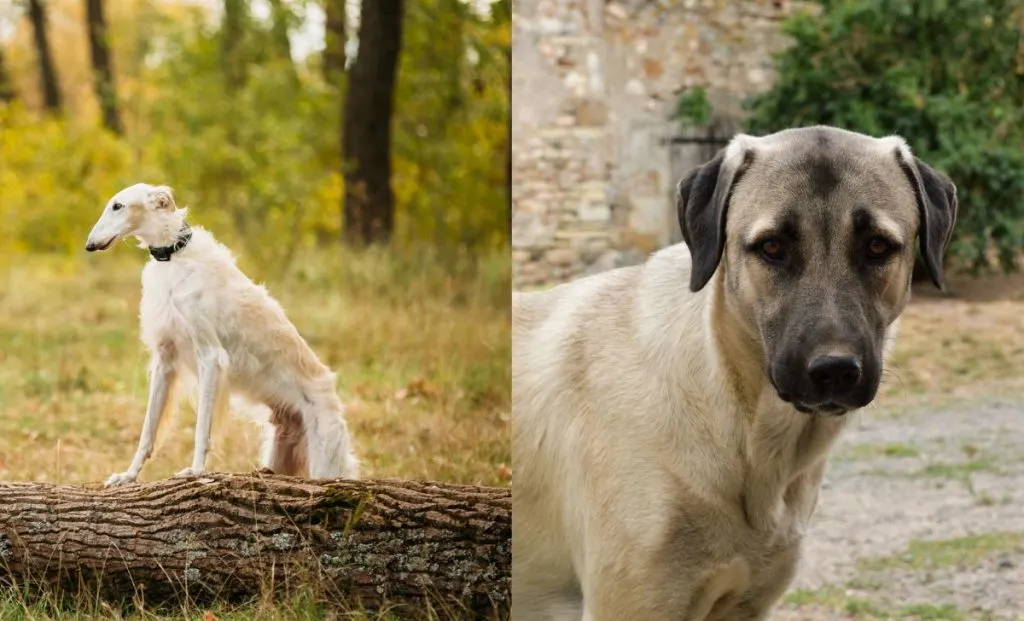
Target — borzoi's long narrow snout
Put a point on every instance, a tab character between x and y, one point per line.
115	223
91	245
111	226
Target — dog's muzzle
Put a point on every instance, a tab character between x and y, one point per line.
826	384
92	246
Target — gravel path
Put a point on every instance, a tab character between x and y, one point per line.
921	517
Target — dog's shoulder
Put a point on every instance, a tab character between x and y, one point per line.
533	309
614	292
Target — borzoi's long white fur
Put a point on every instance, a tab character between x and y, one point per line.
203	317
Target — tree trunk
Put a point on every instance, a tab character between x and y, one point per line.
281	18
369	204
227	537
102	71
508	141
51	91
334	42
502	12
6	86
232	32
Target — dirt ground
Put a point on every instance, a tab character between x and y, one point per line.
922	512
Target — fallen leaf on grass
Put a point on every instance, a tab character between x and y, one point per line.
355	407
418	387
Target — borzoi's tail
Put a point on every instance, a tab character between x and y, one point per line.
310	439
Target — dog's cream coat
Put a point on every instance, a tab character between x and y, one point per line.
659	473
201	316
650	468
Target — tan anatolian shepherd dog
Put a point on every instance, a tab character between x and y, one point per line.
671	421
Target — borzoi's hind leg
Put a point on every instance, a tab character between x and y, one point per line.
161	385
284	443
213	394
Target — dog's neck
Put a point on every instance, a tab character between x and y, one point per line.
744	369
783	496
162	231
164	253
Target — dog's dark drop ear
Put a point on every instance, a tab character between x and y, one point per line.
162	197
702	201
937	207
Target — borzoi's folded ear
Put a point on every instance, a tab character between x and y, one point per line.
161	197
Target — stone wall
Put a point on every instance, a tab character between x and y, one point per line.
594	85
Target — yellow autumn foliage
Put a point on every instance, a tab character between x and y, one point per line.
260	165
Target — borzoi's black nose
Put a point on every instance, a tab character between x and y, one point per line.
89	247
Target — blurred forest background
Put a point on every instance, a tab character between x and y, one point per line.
244	107
354	156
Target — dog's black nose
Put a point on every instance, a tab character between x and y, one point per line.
90	247
834	375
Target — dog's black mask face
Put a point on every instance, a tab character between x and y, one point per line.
813	234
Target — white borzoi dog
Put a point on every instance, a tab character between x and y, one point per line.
203	317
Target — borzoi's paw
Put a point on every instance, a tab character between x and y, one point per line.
188	473
123	478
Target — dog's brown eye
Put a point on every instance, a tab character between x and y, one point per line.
878	248
772	249
118	206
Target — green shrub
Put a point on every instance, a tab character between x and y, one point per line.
947	76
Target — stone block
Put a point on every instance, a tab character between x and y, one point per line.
529	230
561	256
591	112
594	211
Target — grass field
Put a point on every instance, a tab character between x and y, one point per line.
422	356
966	344
423	363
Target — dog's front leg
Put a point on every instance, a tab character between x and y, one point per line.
212	398
161	384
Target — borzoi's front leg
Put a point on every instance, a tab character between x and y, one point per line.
161	385
212	399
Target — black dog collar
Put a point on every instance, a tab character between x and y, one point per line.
164	253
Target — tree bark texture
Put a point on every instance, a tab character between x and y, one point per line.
369	203
102	69
407	545
47	73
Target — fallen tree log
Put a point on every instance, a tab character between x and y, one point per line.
407	545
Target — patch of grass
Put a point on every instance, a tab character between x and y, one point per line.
847	603
931	612
981	343
836	599
829	595
899	450
933	554
959	470
867	452
13	607
864	608
421	351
